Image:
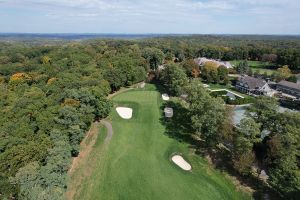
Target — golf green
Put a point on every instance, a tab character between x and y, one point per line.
136	164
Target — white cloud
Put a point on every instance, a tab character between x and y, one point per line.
219	5
168	15
155	5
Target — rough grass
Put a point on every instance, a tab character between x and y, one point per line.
136	163
85	160
101	137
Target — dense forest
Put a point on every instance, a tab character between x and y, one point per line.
260	48
51	91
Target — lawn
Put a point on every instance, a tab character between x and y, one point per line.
213	86
136	163
251	63
257	66
263	71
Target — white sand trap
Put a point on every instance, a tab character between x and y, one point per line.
178	160
165	97
125	113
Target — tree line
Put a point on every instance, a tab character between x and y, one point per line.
277	50
265	139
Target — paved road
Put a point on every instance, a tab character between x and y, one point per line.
110	131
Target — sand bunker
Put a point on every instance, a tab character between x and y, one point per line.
165	97
178	160
125	113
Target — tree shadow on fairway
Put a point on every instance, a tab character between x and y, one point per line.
179	126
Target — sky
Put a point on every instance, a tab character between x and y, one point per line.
155	16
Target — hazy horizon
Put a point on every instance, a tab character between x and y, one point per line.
124	33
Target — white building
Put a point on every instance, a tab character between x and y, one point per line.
254	86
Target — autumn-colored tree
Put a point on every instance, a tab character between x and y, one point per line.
2	79
19	78
210	72
51	80
46	60
247	135
243	162
269	58
195	72
191	68
284	72
71	102
210	65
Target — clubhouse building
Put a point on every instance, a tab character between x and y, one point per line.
253	86
290	88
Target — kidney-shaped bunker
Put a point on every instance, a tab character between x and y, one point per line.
178	160
125	113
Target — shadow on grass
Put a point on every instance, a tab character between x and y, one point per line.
178	126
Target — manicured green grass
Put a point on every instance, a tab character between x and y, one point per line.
251	63
263	71
136	163
213	86
242	94
256	66
228	87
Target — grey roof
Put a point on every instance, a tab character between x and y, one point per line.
203	60
290	85
253	83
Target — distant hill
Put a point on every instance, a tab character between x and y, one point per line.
82	36
73	36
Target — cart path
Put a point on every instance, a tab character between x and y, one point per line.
110	131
